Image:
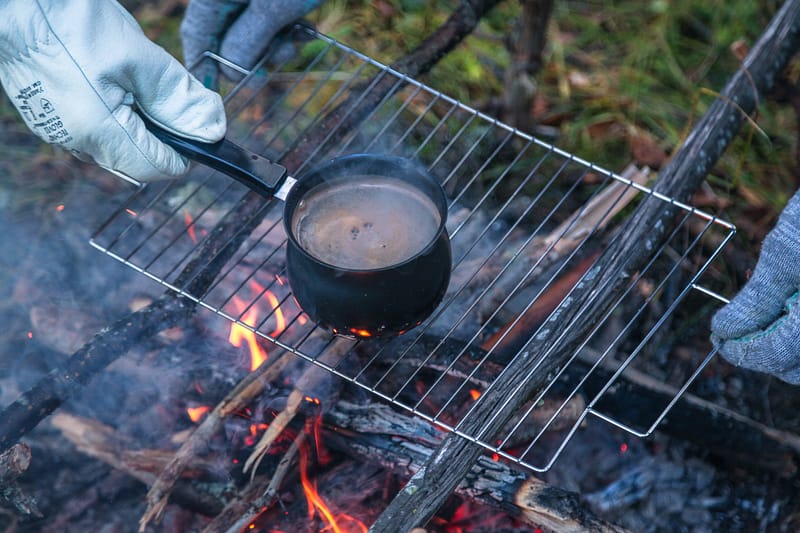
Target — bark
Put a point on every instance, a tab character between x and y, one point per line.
646	228
14	462
402	444
526	60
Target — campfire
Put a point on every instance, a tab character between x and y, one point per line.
249	416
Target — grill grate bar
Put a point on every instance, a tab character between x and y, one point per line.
619	336
522	216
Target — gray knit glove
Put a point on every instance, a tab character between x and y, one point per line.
760	328
238	30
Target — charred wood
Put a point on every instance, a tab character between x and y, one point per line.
109	344
408	445
638	399
14	462
250	387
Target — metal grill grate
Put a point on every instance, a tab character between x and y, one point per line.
525	218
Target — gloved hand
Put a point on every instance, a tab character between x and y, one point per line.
74	69
760	328
238	30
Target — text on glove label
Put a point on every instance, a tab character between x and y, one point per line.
40	114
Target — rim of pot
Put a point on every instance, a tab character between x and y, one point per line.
354	159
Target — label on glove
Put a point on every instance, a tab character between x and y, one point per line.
40	114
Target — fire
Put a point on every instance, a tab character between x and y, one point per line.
474	394
240	334
342	523
131	212
196	413
187	219
60	207
280	320
255	429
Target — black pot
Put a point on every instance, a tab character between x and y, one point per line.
367	301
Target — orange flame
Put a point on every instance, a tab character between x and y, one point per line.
255	429
196	413
240	334
474	394
187	218
280	320
343	523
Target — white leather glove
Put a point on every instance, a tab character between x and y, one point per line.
74	69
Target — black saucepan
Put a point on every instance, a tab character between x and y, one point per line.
368	253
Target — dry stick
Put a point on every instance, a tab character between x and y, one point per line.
527	374
105	444
406	445
236	518
241	395
308	384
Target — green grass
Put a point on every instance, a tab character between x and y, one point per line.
612	71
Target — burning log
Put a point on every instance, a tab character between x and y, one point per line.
528	373
241	512
409	444
311	380
250	387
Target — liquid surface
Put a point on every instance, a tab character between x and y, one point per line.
366	222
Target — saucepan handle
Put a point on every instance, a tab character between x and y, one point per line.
256	172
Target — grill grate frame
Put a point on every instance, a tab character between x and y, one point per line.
510	195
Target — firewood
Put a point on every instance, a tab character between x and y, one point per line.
647	227
105	444
407	445
14	462
257	496
250	387
310	383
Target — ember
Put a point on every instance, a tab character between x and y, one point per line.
196	413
